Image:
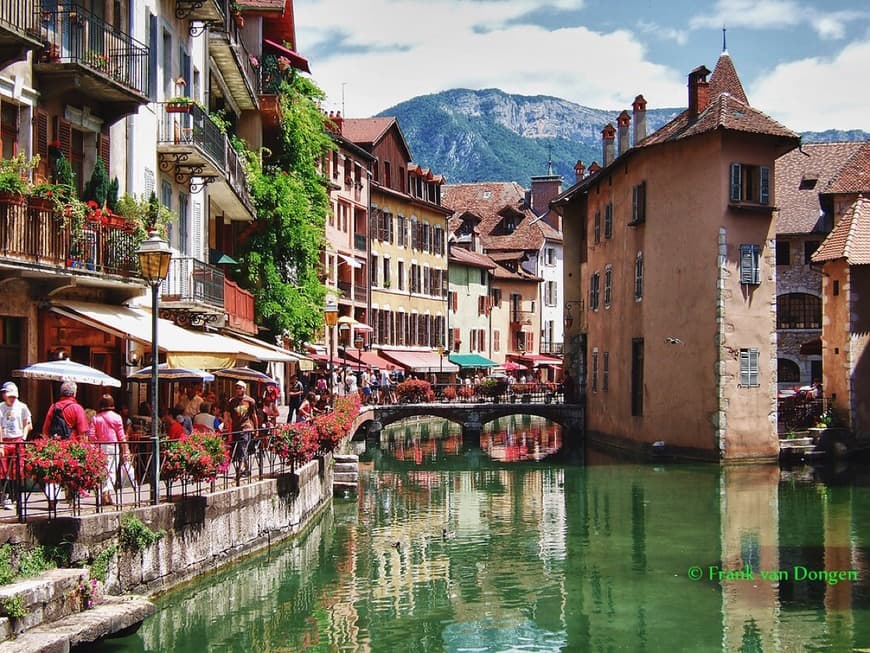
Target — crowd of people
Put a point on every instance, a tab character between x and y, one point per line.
309	395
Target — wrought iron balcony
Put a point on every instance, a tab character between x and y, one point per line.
234	57
193	283
204	10
548	347
521	317
197	153
19	29
33	237
86	56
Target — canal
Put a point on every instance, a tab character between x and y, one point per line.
502	549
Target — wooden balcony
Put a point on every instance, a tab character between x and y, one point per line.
195	152
234	58
19	29
87	61
34	240
239	305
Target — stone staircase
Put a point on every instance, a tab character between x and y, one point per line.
799	450
345	475
57	615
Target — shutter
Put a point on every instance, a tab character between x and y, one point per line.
455	294
635	203
64	135
488	305
198	236
641	204
152	56
105	145
749	264
753	367
482	340
456	336
530	342
764	185
749	368
40	134
736	182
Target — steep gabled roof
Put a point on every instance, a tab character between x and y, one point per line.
463	256
482	198
854	176
365	131
850	239
725	80
801	175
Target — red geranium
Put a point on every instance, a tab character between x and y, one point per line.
74	464
200	456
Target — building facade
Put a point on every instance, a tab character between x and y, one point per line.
670	276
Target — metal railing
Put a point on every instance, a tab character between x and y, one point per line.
517	393
548	347
21	16
191	280
35	234
519	316
74	35
270	76
237	178
241	48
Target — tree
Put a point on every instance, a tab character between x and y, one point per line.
280	258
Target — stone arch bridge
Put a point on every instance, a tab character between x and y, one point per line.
470	416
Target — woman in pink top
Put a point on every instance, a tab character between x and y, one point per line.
108	432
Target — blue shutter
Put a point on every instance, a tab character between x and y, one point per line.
736	182
750	259
764	185
749	375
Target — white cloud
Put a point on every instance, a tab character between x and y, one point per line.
817	94
451	44
678	36
776	14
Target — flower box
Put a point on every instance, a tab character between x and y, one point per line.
12	199
178	107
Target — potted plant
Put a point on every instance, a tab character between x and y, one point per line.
74	465
197	457
13	178
179	104
449	392
236	11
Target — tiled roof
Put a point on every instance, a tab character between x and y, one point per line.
365	130
850	239
800	176
725	80
474	259
854	176
548	231
484	197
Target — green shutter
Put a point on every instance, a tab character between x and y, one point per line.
736	182
764	185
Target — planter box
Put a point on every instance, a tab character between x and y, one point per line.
13	199
40	203
178	108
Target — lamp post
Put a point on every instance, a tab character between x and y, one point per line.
358	343
440	360
331	314
154	256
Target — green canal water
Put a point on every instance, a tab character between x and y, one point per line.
540	556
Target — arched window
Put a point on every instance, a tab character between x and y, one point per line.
798	311
787	371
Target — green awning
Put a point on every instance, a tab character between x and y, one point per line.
472	360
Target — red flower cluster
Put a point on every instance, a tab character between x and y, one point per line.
200	456
300	442
415	391
74	464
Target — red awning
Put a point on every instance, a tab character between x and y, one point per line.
419	361
372	359
296	60
538	359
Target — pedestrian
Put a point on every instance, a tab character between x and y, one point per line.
204	420
66	410
194	399
109	434
241	415
294	398
15	423
185	420
174	421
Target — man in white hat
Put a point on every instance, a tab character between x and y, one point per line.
15	424
241	418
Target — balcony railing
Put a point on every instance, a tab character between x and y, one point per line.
19	28
187	127
230	39
271	75
239	305
556	348
521	317
36	236
191	280
360	293
74	35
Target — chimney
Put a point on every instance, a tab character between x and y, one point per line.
593	168
607	136
544	189
623	121
699	91
339	121
638	107
579	171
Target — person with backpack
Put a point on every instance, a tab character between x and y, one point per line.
66	418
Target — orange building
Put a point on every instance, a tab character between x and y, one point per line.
670	277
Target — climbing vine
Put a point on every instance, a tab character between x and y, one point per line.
280	258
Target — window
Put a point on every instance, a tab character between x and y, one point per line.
608	286
183	225
750	183
638	277
483	273
605	372
388	178
810	247
750	259
594	287
401	231
798	311
836	289
373	265
638	203
551	294
787	371
749	368
550	256
335	164
597	228
594	370
608	221
386	272
9	129
783	252
496	340
637	376
400	273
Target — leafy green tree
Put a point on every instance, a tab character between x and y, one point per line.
280	258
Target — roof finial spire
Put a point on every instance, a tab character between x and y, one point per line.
724	47
550	159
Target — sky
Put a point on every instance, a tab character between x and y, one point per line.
804	62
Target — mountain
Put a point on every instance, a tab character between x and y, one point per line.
490	135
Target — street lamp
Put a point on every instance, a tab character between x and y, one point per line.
154	256
440	360
331	314
358	343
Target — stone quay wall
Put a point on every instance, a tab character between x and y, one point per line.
203	533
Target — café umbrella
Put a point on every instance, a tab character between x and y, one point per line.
245	374
175	374
66	370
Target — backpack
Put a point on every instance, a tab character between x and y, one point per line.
59	427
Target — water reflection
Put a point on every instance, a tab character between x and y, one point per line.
546	558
